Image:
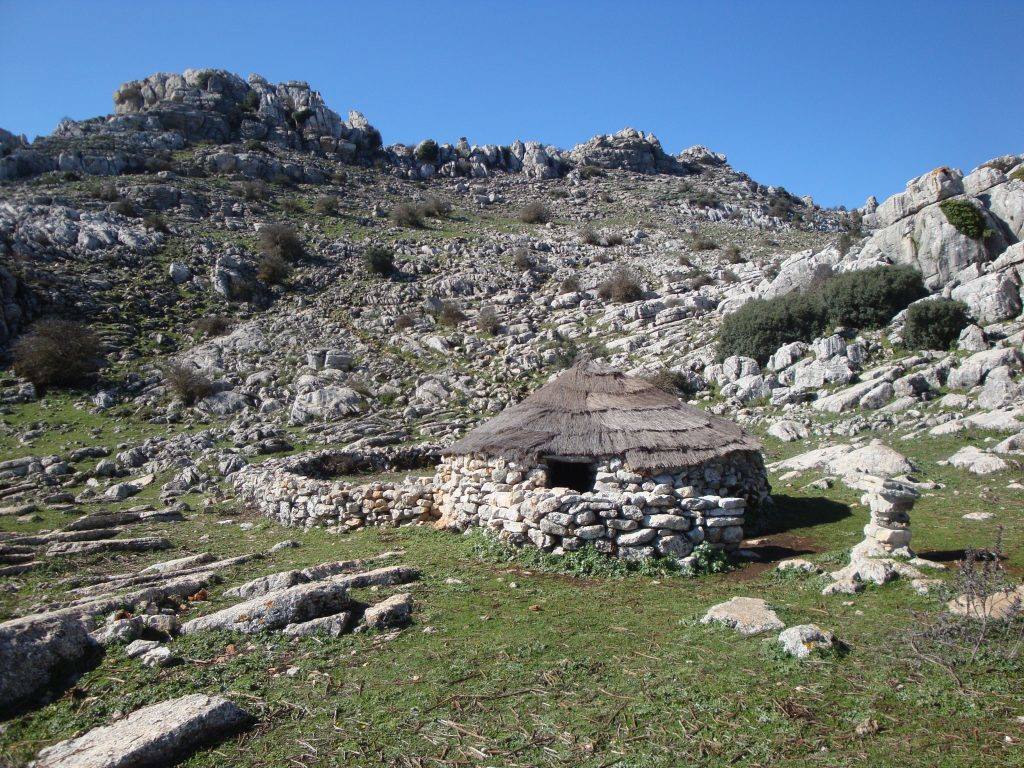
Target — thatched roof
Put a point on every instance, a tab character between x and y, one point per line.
592	411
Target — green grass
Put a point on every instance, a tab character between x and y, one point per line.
520	660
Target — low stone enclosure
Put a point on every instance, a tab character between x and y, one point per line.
322	488
593	457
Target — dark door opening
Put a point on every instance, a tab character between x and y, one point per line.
571	474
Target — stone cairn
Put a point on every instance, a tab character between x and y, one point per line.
887	533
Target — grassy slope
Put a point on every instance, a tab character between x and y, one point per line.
567	671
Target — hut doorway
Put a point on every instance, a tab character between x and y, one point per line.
577	475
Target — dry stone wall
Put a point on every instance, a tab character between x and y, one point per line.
300	491
627	514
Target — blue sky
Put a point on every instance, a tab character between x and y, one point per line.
834	99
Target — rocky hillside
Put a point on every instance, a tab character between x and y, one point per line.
262	277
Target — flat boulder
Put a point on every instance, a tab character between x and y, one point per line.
977	461
396	611
747	615
275	610
157	735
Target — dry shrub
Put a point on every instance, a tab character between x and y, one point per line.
379	260
212	326
435	207
155	222
521	259
589	236
292	205
404	321
450	315
57	353
535	213
570	285
407	215
281	240
701	243
487	321
732	254
272	269
253	191
623	286
187	382
326	205
673	382
988	623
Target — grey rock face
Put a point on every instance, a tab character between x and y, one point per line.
275	610
396	611
157	735
35	650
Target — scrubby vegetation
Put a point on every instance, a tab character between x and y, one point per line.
379	260
965	217
535	213
272	269
621	287
326	205
282	241
57	353
450	315
935	324
212	326
487	321
407	215
869	298
426	151
187	382
673	382
866	298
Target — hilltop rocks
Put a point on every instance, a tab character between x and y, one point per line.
151	737
629	149
872	459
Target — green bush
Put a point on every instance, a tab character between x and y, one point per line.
272	269
868	298
965	217
1018	175
426	151
57	353
760	327
623	286
379	260
935	324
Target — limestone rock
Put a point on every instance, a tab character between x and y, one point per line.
275	610
804	639
154	736
747	615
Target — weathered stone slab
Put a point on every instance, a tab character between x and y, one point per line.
275	610
803	640
396	611
143	544
380	577
157	735
747	615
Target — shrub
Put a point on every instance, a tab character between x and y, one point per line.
685	261
761	326
326	205
590	171
589	236
729	277
450	315
253	191
404	321
435	207
406	215
698	279
124	207
155	222
379	260
212	326
732	254
108	193
1018	175
187	382
613	239
57	353
521	259
292	205
255	145
965	217
935	324
281	240
570	285
557	193
535	213
701	243
868	298
272	269
487	321
621	287
251	103
670	381
426	151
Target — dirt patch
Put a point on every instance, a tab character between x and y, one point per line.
770	550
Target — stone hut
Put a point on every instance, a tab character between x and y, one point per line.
597	457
